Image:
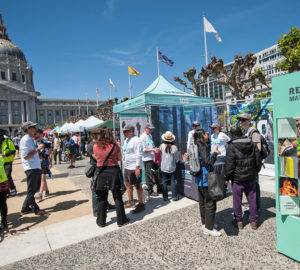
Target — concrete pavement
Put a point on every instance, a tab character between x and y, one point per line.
147	240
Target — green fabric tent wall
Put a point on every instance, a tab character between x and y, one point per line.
162	93
108	123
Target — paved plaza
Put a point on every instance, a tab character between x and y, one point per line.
166	236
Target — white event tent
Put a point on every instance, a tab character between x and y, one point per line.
91	121
77	127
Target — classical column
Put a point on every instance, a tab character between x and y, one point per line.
27	111
22	111
9	112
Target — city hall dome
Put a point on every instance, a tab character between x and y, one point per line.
8	48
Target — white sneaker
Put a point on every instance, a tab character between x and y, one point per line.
213	232
215	226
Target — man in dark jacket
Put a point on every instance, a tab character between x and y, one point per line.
243	162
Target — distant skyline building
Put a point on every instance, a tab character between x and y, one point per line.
19	101
266	61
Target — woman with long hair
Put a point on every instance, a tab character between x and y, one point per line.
207	206
168	164
108	175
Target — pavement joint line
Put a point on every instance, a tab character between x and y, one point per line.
47	239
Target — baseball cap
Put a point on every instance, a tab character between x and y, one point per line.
196	123
128	127
148	125
28	124
244	116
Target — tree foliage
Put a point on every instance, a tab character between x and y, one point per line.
289	46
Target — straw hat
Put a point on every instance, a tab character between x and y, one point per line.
168	137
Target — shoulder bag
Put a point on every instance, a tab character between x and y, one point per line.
216	184
94	179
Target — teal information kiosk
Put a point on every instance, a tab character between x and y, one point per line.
286	108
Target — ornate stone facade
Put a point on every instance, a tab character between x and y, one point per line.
19	101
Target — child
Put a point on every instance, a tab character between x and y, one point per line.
168	164
4	187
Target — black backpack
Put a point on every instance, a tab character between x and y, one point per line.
265	149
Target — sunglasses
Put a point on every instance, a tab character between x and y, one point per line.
243	120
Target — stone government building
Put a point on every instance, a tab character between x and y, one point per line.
19	101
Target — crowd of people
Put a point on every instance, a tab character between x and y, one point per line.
118	168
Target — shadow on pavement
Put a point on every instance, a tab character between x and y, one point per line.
153	203
224	218
61	206
60	193
61	175
16	220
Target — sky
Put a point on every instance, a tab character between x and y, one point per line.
75	46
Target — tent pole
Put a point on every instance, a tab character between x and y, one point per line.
129	87
114	126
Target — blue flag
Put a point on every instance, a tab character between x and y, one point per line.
165	59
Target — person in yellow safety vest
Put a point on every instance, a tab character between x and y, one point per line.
7	151
4	188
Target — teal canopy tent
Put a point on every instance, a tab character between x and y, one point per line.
168	109
160	93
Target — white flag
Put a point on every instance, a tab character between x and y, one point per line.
208	28
112	84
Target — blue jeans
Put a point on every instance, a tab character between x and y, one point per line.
165	178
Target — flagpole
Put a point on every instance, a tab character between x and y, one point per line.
207	81
157	57
110	91
129	86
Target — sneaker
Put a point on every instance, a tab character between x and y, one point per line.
174	199
38	196
55	163
246	207
253	225
26	211
124	223
215	226
139	208
213	232
42	213
13	192
165	199
240	225
129	204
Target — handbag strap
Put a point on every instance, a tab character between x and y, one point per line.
109	154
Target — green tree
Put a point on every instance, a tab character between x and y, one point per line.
289	46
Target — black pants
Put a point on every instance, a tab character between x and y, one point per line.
3	206
148	165
8	170
55	153
102	208
33	185
207	207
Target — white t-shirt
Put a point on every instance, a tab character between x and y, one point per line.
75	139
190	138
147	143
219	142
132	153
27	145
